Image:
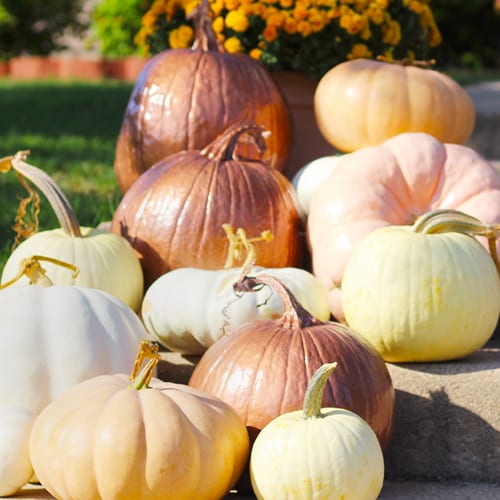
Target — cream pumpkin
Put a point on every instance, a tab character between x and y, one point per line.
364	102
188	309
109	437
427	292
105	260
329	453
392	184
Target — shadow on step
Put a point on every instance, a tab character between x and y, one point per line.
435	439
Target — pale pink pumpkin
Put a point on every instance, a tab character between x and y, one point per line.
393	183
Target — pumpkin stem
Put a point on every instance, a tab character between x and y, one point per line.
205	38
147	350
450	220
408	61
31	268
223	148
294	315
58	201
314	392
238	241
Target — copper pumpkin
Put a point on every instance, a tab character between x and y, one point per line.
262	368
174	213
184	98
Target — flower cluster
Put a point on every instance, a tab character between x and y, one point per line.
309	36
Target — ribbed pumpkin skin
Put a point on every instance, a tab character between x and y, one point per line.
362	103
262	370
185	98
173	214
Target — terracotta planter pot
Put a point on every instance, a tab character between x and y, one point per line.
308	143
33	67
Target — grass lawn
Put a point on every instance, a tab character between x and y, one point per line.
71	130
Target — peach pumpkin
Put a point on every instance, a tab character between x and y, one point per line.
364	102
392	184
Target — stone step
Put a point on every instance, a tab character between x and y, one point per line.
447	418
485	138
392	490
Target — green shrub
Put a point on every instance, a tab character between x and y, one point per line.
35	26
115	24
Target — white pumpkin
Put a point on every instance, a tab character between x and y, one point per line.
105	260
52	338
329	453
310	177
419	295
188	309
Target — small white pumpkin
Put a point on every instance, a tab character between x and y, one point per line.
424	292
188	309
317	453
106	260
310	177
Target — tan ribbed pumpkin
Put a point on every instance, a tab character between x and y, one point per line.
173	215
184	98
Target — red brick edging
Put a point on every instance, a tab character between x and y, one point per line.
66	67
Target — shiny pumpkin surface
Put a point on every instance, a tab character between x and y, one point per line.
392	184
363	102
185	98
173	215
262	370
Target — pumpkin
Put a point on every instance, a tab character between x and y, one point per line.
174	213
263	367
188	309
184	98
105	260
138	439
364	102
392	184
426	292
309	177
317	453
51	338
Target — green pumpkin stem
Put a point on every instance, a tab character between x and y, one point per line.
408	61
314	392
58	201
450	220
147	351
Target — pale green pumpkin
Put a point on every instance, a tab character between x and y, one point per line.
419	294
315	453
105	260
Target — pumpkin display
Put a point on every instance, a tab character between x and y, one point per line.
184	98
174	213
392	184
317	453
263	367
426	292
105	260
309	177
364	102
188	309
51	338
137	438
